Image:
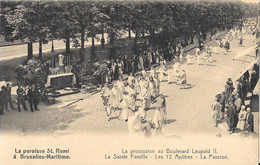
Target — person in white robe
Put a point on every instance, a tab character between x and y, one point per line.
151	86
132	97
188	58
130	78
105	93
143	73
242	119
161	71
197	55
169	74
158	121
134	125
177	77
183	79
152	72
115	97
125	108
157	86
141	109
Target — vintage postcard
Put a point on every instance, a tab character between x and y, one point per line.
129	82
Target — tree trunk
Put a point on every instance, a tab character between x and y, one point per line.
135	45
112	38
93	40
68	45
129	32
40	48
52	45
143	33
102	40
30	50
192	39
82	49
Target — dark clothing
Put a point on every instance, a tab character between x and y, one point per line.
9	98
135	64
239	90
232	117
250	122
253	81
228	90
4	96
244	89
1	103
32	98
125	66
20	98
116	74
227	45
222	102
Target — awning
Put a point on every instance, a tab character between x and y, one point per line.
249	67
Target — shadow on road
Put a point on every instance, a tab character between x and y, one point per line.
169	121
187	86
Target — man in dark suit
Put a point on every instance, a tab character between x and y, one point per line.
32	97
249	120
20	98
9	96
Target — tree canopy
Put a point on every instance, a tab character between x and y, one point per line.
43	20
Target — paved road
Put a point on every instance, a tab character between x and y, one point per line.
15	51
188	109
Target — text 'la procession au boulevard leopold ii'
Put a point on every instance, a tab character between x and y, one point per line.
168	153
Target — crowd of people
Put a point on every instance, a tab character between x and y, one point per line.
231	101
115	68
32	96
129	99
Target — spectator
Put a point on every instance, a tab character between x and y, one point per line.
20	98
232	117
32	98
9	98
216	107
242	119
249	120
4	97
1	103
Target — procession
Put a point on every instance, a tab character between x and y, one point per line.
161	82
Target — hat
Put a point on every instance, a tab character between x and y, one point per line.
229	79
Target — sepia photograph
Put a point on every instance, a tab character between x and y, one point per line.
129	82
